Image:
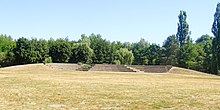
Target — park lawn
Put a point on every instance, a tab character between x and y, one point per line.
54	89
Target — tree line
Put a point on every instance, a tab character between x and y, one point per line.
177	50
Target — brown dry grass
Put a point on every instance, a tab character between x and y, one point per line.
38	87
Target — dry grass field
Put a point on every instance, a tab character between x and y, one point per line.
36	87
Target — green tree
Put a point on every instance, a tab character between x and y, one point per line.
112	54
6	43
153	54
125	56
139	50
208	60
22	51
127	45
60	51
6	54
187	52
204	39
7	58
183	28
216	40
187	55
30	51
101	48
171	48
204	48
85	40
39	50
82	53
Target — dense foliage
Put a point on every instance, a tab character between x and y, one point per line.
177	50
216	40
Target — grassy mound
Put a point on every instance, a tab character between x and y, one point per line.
184	71
27	67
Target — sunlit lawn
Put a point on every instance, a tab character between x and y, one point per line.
89	90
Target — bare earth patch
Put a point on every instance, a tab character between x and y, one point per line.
37	87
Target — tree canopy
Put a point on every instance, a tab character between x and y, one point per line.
177	50
216	40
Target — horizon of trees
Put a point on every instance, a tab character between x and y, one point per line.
177	50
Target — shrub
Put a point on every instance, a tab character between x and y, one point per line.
117	62
79	63
47	60
86	66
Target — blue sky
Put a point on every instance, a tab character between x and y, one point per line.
115	20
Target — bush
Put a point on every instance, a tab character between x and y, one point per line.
6	59
86	66
47	60
117	62
2	59
80	63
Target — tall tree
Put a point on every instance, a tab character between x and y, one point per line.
30	51
82	53
139	50
216	40
6	43
39	50
183	28
204	39
127	45
22	51
6	54
101	48
60	51
187	55
208	67
85	40
187	50
204	48
170	52
125	56
153	54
